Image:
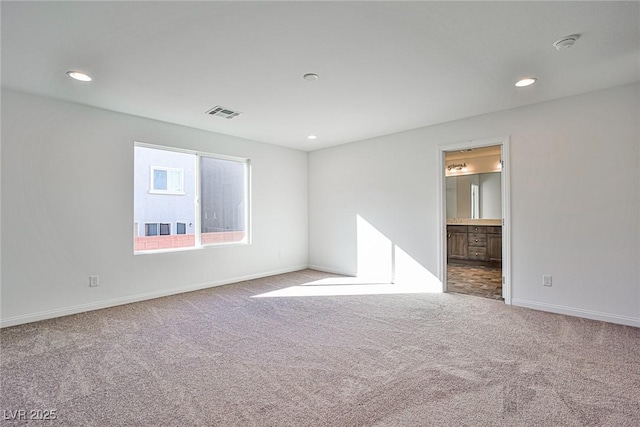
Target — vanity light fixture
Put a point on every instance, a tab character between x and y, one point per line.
457	167
527	81
78	75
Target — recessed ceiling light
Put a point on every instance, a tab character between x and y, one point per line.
526	82
310	77
79	76
312	137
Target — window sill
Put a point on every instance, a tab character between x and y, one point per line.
169	193
190	248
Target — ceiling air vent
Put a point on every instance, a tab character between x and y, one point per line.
223	112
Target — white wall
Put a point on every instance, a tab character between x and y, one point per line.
67	210
451	184
575	184
575	196
464	195
490	195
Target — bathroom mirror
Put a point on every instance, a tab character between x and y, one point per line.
476	196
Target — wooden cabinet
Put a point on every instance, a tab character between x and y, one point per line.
494	244
477	253
457	244
475	243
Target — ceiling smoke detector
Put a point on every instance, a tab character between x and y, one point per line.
566	42
223	112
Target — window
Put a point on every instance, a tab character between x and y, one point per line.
151	229
213	207
223	195
181	228
165	229
166	180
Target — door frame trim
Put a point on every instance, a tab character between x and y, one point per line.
503	142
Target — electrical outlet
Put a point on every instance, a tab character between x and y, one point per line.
93	281
547	280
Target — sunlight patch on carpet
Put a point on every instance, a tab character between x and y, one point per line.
350	286
384	268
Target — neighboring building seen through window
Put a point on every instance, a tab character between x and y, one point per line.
165	199
223	196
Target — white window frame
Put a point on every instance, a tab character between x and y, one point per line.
197	224
153	190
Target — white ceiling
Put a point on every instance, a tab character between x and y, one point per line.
384	67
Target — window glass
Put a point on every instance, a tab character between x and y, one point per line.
181	228
165	229
151	229
166	192
159	179
223	194
169	181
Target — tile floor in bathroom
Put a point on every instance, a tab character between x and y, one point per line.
474	280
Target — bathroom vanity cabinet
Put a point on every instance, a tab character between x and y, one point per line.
475	243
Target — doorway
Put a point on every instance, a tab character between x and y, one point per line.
474	218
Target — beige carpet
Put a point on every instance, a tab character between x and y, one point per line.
218	357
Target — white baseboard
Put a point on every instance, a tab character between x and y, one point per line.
330	270
578	312
65	311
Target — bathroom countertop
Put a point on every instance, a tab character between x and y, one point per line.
469	221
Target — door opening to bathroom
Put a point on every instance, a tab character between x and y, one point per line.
474	206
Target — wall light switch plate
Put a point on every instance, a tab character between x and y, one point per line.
547	280
93	281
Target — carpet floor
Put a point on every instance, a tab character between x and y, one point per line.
221	357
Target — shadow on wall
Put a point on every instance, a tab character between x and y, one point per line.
383	268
